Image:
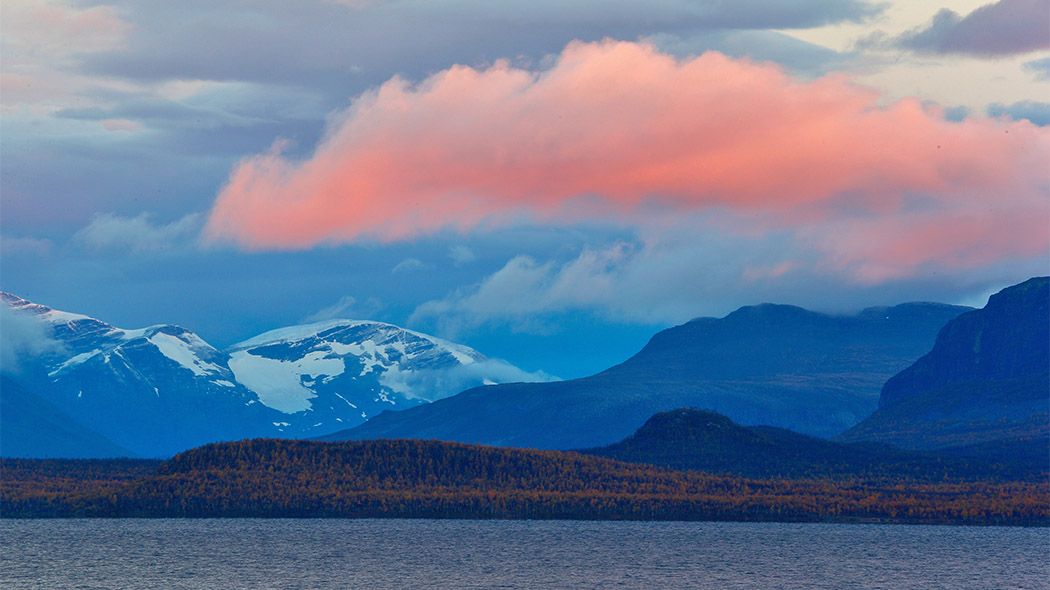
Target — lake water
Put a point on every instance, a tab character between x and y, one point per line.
380	554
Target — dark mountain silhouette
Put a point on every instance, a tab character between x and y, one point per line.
699	440
987	379
769	364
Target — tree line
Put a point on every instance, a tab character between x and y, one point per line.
432	479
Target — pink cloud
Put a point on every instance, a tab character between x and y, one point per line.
619	124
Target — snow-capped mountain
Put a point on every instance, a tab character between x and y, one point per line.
329	375
155	390
163	389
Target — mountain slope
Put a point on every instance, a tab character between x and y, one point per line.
986	379
770	364
30	426
705	441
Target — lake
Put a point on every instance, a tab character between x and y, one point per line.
380	554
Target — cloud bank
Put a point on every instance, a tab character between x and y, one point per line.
613	127
1007	27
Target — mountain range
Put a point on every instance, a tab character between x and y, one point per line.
970	383
159	390
776	365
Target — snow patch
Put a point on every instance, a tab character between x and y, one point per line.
182	353
279	384
78	359
345	400
463	354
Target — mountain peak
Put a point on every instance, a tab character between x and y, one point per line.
289	367
348	331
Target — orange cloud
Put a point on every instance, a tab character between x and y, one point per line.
619	123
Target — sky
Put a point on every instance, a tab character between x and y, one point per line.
548	182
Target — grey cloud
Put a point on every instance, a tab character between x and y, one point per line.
346	50
1036	112
1007	27
784	14
800	57
227	119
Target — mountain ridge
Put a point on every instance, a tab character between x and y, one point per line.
825	378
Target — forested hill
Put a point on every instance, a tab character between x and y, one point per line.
431	479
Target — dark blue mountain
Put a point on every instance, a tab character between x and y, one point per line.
769	364
30	426
987	379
